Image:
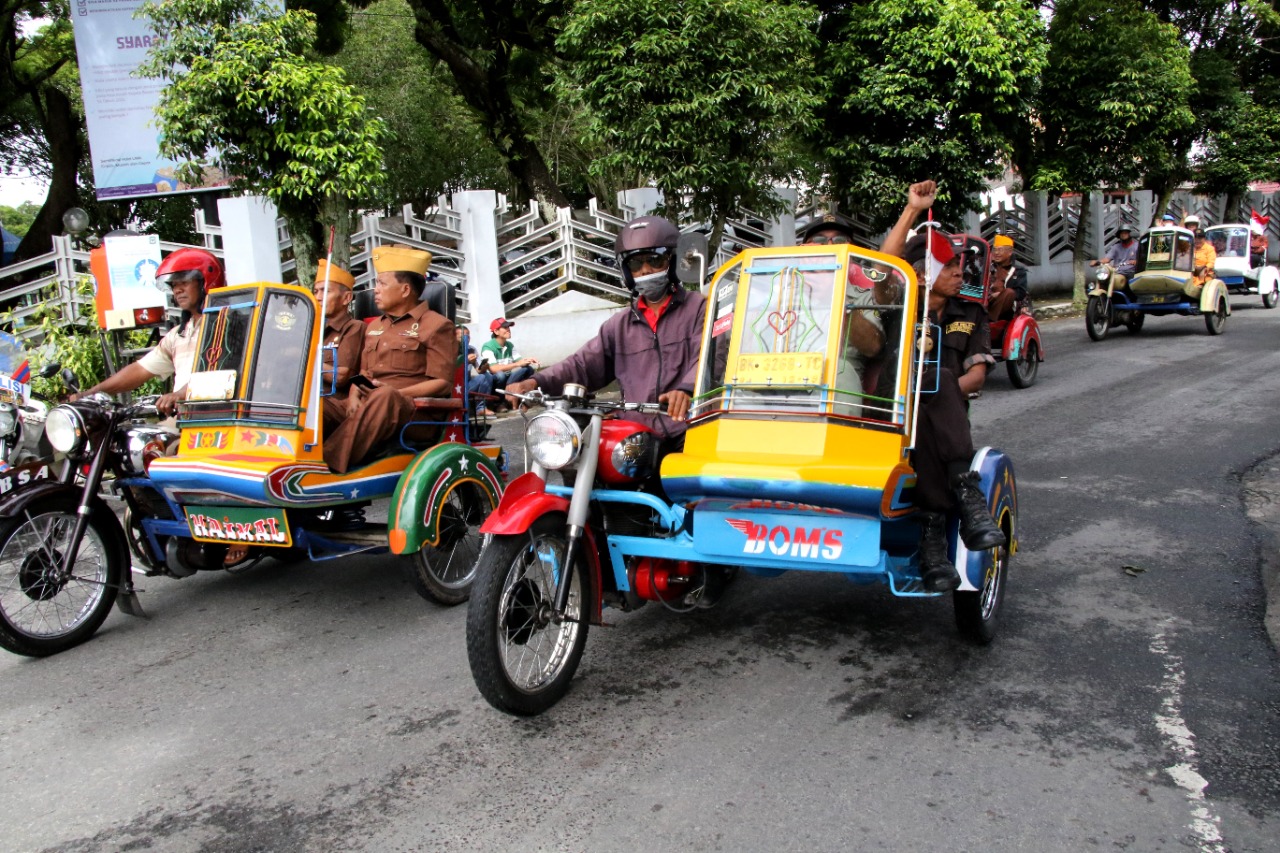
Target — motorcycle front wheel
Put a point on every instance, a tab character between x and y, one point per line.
44	609
1097	317
522	659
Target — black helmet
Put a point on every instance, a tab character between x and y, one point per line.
828	222
646	234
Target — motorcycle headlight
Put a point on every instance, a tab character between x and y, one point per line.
553	439
65	429
8	418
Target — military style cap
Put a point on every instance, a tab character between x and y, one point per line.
400	259
828	222
337	275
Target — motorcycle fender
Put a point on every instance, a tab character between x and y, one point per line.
1209	296
13	504
423	488
1000	487
1022	329
524	502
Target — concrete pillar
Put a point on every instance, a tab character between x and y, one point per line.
1037	226
250	248
1145	203
782	229
642	200
1097	224
477	211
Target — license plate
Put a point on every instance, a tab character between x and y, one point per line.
248	525
830	539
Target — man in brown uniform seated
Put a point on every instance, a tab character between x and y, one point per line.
343	337
409	352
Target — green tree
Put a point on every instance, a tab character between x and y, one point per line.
701	96
434	142
501	57
244	92
919	89
41	123
1105	122
17	220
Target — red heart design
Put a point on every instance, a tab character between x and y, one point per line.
776	318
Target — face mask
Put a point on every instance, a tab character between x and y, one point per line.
652	287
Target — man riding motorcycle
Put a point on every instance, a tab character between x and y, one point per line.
650	349
189	274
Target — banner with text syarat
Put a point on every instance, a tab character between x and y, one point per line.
120	108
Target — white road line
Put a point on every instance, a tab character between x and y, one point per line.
1204	823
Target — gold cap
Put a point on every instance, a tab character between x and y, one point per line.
400	259
337	275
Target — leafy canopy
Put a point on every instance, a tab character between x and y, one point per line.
243	93
701	96
919	89
1107	121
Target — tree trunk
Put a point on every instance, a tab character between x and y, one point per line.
1078	259
62	131
305	233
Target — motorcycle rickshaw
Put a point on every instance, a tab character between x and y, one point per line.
1162	284
1015	341
248	470
1235	267
797	458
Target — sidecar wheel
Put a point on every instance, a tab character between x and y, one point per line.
1097	318
1216	321
444	572
1270	298
522	661
1135	321
977	611
43	612
1023	369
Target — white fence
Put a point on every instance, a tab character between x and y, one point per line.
507	261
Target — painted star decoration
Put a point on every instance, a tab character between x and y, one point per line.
462	465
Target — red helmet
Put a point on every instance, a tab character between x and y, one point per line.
179	266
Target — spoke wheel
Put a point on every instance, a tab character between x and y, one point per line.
44	609
1097	317
1023	369
522	658
444	572
977	611
1216	322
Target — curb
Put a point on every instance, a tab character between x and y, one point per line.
1056	310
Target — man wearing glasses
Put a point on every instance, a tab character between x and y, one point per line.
651	348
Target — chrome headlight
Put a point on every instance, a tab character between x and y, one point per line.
553	439
65	429
8	419
142	445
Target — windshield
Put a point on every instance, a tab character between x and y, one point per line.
1165	250
1232	242
227	318
805	334
281	366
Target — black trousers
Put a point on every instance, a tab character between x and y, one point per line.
944	444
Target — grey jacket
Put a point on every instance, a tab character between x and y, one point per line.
644	363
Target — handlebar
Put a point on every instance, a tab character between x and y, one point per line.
536	397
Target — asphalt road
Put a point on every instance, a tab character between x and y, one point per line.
327	707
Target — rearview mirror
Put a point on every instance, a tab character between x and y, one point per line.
49	370
691	258
69	380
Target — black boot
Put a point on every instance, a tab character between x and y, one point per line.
936	569
977	528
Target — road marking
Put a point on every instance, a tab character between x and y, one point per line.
1204	823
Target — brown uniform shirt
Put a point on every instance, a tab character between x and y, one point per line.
348	333
402	351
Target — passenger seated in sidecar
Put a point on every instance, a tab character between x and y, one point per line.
410	356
